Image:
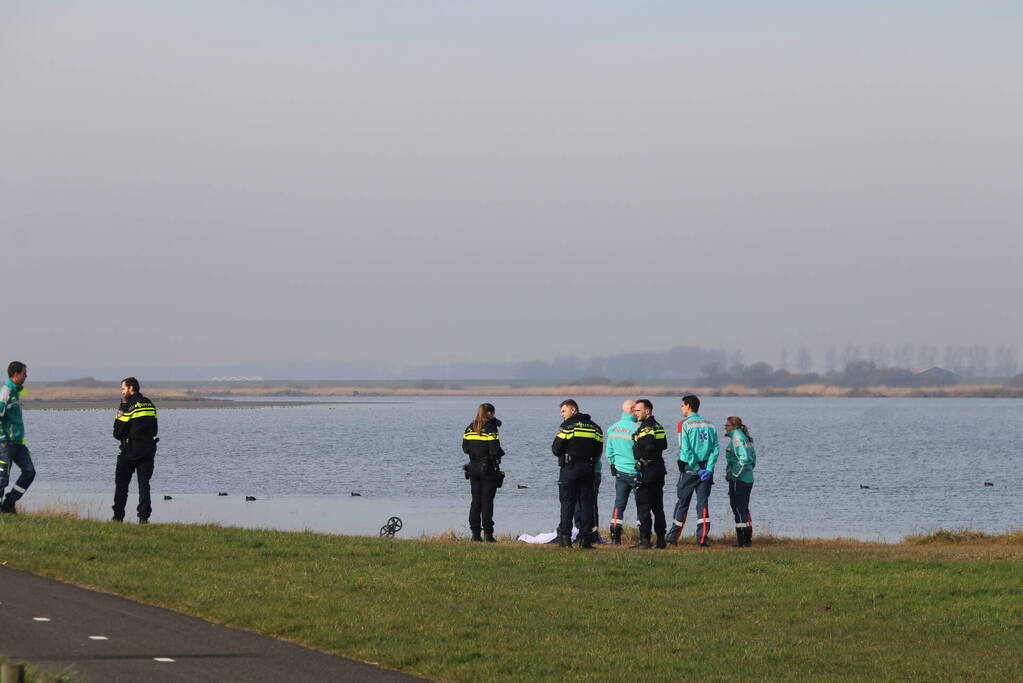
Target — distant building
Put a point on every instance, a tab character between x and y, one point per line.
936	375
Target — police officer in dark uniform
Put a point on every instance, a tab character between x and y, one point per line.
577	445
135	428
648	446
482	444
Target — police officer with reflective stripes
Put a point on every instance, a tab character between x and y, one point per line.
648	446
135	427
482	444
577	445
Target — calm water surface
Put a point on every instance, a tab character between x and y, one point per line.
925	462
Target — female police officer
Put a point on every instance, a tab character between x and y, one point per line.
482	443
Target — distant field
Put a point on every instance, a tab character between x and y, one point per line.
944	606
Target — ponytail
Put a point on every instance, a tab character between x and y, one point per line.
737	421
483	414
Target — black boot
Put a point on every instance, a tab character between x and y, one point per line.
616	534
488	536
476	538
644	543
747	540
564	540
740	538
661	544
143	520
586	541
7	507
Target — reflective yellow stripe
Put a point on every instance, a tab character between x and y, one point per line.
140	412
473	436
588	434
121	417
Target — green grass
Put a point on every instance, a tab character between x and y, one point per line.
944	607
32	674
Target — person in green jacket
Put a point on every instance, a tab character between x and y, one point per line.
698	452
740	458
623	465
12	438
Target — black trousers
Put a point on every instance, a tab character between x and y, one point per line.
575	487
481	509
142	468
738	497
650	499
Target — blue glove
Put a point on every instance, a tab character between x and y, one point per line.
705	475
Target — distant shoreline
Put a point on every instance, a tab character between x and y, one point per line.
809	390
57	397
174	404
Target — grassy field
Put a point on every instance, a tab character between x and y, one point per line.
32	674
943	606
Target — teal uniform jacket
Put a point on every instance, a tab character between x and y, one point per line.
740	456
619	444
697	443
12	426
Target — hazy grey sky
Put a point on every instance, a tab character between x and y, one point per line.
214	182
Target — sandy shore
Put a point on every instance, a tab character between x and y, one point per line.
173	404
218	396
453	389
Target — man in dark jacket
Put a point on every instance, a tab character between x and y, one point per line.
577	445
135	428
648	446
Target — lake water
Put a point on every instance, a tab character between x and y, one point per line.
925	462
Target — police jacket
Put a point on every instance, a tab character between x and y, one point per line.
135	427
649	442
485	444
578	440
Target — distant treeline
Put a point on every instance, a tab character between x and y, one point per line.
856	374
679	362
968	360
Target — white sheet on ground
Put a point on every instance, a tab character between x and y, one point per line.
551	537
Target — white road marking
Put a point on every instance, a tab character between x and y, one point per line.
40	618
162	659
98	638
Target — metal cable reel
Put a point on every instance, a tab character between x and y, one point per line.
392	527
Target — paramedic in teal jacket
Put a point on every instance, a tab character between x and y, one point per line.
697	453
12	438
623	465
741	458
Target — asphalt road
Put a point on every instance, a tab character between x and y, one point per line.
103	637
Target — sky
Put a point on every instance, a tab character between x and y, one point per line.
200	183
